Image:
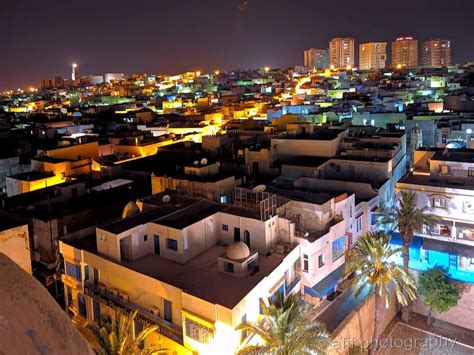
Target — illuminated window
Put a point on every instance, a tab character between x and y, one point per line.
337	248
444	169
439	202
470	172
197	331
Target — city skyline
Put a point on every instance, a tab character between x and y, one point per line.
42	42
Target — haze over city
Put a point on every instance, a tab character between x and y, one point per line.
42	38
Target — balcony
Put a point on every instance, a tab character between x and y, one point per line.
105	296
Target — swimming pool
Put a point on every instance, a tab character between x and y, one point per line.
425	254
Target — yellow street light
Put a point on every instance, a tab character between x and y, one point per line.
217	72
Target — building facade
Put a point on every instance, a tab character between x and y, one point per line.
341	52
372	56
318	58
436	53
405	53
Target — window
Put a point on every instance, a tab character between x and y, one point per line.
73	270
168	310
86	272
145	238
225	227
69	297
197	331
439	202
470	172
305	263
468	207
251	265
337	248
229	267
171	244
280	290
244	332
359	224
321	260
444	169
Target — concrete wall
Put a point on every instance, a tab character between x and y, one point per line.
461	315
15	244
358	327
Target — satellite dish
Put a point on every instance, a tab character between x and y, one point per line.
259	188
196	163
166	198
203	161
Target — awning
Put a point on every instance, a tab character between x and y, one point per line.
452	248
328	284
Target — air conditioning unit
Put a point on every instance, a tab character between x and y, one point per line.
114	292
124	296
155	311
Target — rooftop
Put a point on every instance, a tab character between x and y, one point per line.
445	182
200	276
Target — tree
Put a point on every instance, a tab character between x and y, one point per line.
438	291
408	219
369	262
288	326
115	335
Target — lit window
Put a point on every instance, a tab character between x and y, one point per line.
470	172
444	169
439	202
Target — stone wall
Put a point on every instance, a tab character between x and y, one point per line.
461	315
358	327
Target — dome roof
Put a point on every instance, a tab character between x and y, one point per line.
237	251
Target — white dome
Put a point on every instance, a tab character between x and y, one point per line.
237	251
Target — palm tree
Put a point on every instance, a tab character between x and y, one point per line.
288	326
369	262
115	335
408	219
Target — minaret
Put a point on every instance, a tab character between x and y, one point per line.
75	72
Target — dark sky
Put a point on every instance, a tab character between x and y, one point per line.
41	38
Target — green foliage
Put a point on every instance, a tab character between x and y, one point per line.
406	216
369	262
437	290
115	335
287	326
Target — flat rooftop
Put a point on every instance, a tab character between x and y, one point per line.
445	182
6	223
201	278
461	155
32	176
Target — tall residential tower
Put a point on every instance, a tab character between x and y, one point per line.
372	56
436	53
318	58
405	53
341	52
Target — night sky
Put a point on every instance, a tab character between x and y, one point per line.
41	38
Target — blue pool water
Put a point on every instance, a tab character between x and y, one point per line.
459	267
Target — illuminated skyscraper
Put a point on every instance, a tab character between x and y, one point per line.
405	53
75	72
341	52
372	56
436	53
318	58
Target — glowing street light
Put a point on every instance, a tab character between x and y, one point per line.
217	72
267	69
198	73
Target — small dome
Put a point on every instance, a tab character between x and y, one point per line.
237	251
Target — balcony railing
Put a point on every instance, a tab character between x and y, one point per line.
105	296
